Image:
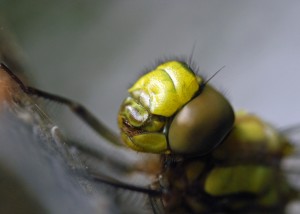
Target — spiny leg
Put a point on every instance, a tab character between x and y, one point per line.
118	184
152	194
75	107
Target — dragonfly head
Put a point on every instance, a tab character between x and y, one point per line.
171	110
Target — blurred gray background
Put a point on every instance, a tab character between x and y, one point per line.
91	51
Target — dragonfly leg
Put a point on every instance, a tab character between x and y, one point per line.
75	107
118	184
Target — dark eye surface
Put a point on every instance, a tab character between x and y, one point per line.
201	124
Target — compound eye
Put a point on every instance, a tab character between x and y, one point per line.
201	124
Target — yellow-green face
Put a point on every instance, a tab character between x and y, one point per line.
171	110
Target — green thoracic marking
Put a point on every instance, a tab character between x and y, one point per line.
235	179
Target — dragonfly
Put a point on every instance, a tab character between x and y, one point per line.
199	155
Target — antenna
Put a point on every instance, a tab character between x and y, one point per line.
214	75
